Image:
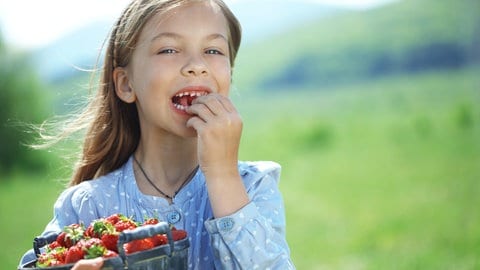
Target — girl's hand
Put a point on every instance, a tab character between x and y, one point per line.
93	264
219	127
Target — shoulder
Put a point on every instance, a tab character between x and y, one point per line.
94	185
87	193
253	172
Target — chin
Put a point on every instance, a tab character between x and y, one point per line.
188	133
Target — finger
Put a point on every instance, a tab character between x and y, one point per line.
92	264
196	123
201	110
212	102
226	104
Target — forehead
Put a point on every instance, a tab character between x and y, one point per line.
203	17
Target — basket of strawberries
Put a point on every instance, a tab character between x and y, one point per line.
122	242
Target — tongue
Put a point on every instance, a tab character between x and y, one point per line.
186	100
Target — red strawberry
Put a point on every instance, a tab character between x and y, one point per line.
43	260
113	219
150	221
179	234
122	226
54	245
52	257
85	249
138	245
110	254
61	239
74	254
71	235
99	227
89	233
159	239
46	260
125	224
93	248
110	241
104	230
59	254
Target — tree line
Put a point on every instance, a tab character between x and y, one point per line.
23	102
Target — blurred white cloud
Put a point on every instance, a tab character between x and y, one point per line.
36	23
31	24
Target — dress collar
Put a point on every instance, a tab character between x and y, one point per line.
186	193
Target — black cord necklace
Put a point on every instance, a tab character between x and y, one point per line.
189	177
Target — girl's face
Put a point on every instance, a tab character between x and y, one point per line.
180	55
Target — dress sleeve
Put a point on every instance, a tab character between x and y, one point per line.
74	205
253	237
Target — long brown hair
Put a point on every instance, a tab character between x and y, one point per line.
112	126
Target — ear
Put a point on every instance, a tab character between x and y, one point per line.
122	85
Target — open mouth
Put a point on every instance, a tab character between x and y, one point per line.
183	100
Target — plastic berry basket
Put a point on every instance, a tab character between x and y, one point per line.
173	255
109	264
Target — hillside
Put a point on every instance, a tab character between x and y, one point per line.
344	47
79	49
404	37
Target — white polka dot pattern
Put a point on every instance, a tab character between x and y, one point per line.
252	238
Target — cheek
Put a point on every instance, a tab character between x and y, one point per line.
224	78
149	77
148	87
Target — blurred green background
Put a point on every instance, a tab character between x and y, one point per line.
374	116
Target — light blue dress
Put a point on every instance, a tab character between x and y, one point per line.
251	238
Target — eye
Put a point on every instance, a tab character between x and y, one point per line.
213	51
167	51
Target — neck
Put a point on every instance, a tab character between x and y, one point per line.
168	162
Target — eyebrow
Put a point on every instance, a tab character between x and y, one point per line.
177	36
217	36
166	35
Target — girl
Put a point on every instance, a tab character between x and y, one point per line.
162	140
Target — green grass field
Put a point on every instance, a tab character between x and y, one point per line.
379	175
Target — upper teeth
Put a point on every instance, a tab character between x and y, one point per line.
192	94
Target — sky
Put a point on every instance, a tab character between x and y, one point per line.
24	23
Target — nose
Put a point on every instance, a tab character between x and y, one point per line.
195	66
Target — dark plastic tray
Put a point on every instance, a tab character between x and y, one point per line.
173	255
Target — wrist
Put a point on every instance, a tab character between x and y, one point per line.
226	191
219	172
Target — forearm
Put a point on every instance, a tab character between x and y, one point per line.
226	192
